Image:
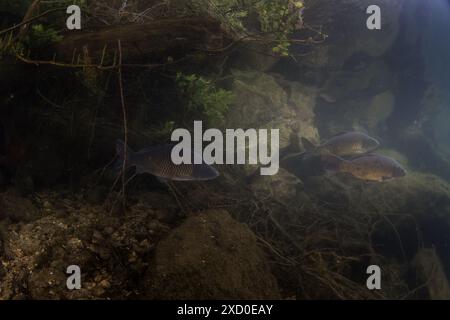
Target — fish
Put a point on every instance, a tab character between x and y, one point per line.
344	144
156	160
303	164
370	167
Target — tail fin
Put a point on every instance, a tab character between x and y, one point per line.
308	145
123	154
331	163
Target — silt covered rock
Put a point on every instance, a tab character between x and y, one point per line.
210	256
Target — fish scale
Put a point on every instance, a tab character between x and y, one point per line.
157	161
371	167
345	144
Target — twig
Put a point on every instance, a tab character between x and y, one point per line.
173	190
97	66
33	6
125	121
94	122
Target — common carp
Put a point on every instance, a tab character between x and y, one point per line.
370	167
345	144
157	161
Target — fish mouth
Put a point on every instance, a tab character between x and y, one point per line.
205	172
399	172
215	173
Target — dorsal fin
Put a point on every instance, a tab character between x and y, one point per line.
339	134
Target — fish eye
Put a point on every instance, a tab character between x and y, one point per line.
370	143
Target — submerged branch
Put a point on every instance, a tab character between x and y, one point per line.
157	39
125	121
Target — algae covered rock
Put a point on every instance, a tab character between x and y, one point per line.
358	97
210	256
259	100
348	36
264	101
369	78
423	153
302	99
269	101
418	194
379	109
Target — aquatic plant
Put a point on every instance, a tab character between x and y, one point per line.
280	18
203	97
5	45
40	36
275	19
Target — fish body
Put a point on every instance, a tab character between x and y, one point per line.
303	164
370	167
345	144
157	161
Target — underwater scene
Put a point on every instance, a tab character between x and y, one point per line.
225	149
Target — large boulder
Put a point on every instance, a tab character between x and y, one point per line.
302	99
210	256
423	153
344	21
268	101
357	98
379	110
260	103
368	77
421	195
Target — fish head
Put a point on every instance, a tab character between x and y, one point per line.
204	172
398	171
370	144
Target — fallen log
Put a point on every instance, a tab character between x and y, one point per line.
160	38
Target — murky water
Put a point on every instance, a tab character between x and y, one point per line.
362	178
